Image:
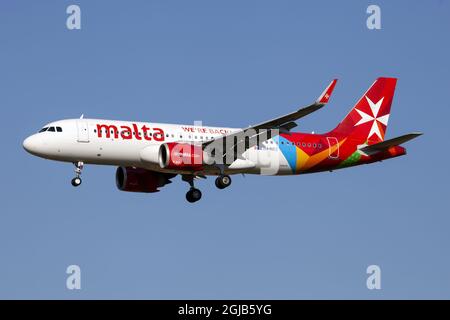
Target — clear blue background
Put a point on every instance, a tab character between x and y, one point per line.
227	63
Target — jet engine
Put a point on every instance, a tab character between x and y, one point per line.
180	156
140	180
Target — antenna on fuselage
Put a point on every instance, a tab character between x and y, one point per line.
82	116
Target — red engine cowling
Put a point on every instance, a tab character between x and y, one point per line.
180	156
140	180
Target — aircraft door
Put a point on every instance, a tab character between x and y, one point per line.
333	148
83	131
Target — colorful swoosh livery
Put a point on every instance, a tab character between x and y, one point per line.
365	125
149	155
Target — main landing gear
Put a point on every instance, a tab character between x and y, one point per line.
194	194
78	169
223	181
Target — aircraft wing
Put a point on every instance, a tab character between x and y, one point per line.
300	113
284	124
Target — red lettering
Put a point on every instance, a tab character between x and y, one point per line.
126	133
107	129
136	132
158	136
188	129
144	130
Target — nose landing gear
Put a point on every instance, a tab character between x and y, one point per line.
76	181
78	169
194	194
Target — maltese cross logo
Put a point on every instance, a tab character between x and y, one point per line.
375	108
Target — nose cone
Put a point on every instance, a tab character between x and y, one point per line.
33	144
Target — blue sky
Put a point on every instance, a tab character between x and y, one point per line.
228	63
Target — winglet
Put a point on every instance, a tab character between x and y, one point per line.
326	94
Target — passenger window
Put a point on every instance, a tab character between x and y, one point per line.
59	129
51	129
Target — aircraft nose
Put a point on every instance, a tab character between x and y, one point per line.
32	144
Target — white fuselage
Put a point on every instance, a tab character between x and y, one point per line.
120	143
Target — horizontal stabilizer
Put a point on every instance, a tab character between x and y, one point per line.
385	145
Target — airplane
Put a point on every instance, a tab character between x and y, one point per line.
149	155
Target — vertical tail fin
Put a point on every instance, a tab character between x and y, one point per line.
368	119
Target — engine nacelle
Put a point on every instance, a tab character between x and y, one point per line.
140	180
180	156
150	154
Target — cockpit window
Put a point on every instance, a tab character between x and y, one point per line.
51	129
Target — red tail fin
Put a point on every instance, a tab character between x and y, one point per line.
368	119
